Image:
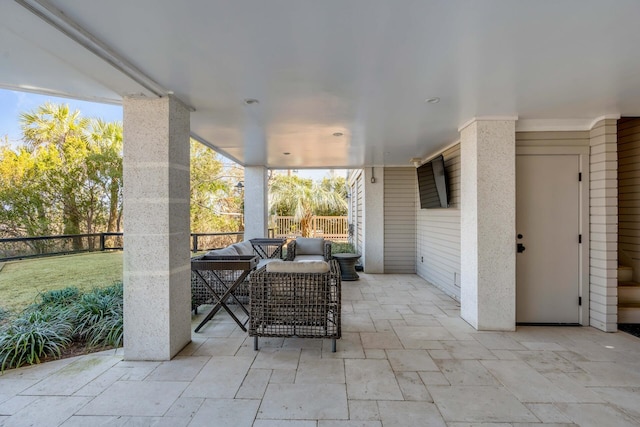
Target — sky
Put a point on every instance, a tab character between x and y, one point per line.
13	103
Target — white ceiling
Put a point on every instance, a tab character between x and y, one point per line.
360	67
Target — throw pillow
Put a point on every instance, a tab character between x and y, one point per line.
244	248
229	250
309	246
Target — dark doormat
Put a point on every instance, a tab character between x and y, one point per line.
630	328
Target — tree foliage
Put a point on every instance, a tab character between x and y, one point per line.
304	198
216	205
66	177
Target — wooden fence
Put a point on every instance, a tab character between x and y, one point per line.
334	228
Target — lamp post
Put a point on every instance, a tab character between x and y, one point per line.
239	187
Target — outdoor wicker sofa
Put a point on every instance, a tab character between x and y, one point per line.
296	299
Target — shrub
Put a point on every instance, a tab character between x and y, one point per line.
33	335
342	248
98	317
62	316
60	297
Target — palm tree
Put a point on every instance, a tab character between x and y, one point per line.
63	132
53	124
303	199
107	156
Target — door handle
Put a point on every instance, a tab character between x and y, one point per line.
520	248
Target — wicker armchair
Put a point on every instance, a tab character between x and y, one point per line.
309	249
300	304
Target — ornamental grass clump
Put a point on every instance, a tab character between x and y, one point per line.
33	335
60	297
61	318
98	317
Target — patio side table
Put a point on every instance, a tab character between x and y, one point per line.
240	266
348	266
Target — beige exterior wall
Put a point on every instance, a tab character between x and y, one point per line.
603	259
438	234
356	207
400	188
629	194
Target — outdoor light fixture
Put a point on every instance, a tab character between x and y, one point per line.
417	161
239	186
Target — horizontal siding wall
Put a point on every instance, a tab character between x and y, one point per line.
359	212
603	222
438	234
400	187
557	138
629	193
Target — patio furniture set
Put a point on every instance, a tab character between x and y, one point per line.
294	296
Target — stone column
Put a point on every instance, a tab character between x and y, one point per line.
487	221
373	218
256	207
157	293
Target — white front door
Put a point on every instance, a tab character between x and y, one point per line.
547	230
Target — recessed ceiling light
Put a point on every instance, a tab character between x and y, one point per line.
286	153
251	101
433	100
338	134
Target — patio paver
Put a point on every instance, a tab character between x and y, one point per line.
406	358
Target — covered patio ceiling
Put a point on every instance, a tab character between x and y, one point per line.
338	83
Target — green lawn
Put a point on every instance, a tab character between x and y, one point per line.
22	281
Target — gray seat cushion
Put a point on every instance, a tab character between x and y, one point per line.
302	258
263	262
298	267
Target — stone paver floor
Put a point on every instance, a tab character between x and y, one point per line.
406	359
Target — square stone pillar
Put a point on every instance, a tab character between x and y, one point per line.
487	221
256	205
157	290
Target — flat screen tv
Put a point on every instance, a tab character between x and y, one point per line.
433	185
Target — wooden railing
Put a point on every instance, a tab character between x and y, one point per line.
330	227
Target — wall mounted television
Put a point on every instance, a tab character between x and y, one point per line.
433	185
